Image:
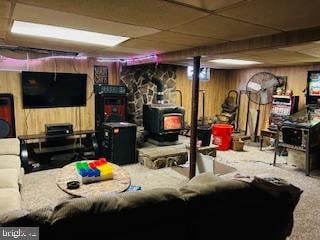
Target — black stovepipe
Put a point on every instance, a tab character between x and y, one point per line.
159	84
160	88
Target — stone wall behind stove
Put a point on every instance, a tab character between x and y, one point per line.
141	91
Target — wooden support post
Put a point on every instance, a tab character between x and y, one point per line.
194	116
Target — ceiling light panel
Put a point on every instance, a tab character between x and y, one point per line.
234	62
48	31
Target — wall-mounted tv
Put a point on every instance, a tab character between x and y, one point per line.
313	87
47	89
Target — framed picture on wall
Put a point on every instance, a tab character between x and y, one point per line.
282	87
100	74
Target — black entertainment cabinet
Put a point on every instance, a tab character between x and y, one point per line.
36	144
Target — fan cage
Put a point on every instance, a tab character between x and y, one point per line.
260	78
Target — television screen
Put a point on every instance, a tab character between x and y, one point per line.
314	83
313	87
45	90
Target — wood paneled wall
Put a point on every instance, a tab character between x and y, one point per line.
297	80
216	90
32	121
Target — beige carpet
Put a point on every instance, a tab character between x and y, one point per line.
40	189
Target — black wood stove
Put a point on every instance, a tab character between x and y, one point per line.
163	122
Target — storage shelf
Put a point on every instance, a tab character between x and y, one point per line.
58	148
44	136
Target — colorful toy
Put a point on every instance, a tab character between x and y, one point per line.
94	171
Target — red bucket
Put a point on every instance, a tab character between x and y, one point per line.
222	136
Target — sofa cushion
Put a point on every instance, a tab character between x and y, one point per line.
229	202
208	183
10	146
10	199
115	202
37	218
127	215
12	215
9	178
10	161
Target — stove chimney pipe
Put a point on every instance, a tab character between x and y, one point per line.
160	87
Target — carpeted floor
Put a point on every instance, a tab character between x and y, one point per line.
40	189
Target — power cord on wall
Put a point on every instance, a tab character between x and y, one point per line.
26	120
79	155
55	68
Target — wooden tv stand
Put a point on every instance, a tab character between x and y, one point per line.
42	138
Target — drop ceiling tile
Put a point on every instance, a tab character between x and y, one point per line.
57	18
279	14
279	55
155	46
266	57
51	44
121	50
5	8
314	52
223	28
150	13
303	46
209	5
2	34
311	49
180	38
110	54
4	24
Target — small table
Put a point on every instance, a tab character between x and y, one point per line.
267	133
120	182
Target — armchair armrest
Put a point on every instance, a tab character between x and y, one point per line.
10	146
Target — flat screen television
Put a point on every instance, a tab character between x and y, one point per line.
313	87
48	90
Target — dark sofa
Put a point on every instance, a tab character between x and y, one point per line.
207	207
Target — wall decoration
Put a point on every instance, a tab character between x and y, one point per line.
100	74
282	87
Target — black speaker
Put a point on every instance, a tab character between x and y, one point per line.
119	143
7	121
109	109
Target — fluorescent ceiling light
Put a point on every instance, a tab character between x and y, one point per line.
42	30
234	62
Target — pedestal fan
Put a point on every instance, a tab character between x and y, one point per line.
260	89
